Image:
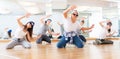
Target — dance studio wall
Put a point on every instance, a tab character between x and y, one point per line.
9	21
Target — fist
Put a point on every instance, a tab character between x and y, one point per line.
27	15
72	7
83	18
92	26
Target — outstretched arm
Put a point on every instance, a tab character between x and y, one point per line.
102	23
111	34
49	31
87	28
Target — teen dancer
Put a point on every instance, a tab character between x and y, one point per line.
105	32
42	36
70	29
83	29
23	34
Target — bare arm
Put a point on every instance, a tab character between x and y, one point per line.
42	19
87	28
101	23
19	19
111	34
67	10
49	31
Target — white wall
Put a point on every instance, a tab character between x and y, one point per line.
10	22
95	18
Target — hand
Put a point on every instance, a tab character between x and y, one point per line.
90	30
83	18
72	7
114	32
57	33
48	16
92	26
27	15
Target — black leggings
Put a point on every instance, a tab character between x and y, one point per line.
43	38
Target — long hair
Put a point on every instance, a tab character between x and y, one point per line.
30	30
110	24
109	30
83	21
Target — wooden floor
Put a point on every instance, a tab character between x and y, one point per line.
90	51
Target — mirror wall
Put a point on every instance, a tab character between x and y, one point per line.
93	11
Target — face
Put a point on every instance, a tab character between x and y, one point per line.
29	25
108	26
48	22
75	14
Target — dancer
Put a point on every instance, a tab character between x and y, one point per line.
83	29
78	31
23	35
42	36
70	29
7	33
105	32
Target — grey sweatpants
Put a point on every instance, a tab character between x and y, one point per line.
17	41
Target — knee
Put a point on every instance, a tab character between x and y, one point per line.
38	41
59	46
80	46
8	47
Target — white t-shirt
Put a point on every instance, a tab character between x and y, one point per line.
69	26
19	33
103	33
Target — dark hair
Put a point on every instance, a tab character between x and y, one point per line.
30	30
109	30
48	20
83	21
109	23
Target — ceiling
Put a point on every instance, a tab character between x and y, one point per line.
16	7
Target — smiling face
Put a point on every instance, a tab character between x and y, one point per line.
48	21
29	25
74	14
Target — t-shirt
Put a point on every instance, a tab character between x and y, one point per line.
103	33
44	28
19	33
69	26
